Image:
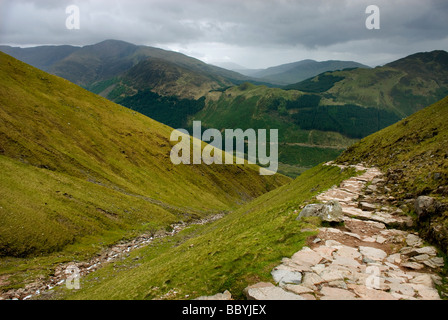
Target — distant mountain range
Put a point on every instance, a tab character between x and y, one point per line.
92	64
317	117
297	71
320	116
111	58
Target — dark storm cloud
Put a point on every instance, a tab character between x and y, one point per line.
258	24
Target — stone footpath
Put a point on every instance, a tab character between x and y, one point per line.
366	258
42	286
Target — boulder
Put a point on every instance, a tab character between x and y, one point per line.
329	212
425	206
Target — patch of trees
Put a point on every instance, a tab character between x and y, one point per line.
323	83
350	120
169	110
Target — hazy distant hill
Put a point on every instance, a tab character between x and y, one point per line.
297	71
110	58
42	57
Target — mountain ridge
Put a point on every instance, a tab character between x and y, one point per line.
293	72
109	58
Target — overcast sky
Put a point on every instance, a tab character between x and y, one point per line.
251	33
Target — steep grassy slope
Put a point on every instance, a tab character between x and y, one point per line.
243	247
239	249
414	154
77	166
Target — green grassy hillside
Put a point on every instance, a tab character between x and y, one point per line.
402	87
260	107
80	172
237	250
242	247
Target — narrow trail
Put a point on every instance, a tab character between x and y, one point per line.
370	257
114	253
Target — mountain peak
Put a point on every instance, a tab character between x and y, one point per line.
438	56
113	42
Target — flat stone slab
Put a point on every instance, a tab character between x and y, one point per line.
285	276
347	252
371	294
311	279
345	261
306	256
330	293
413	265
372	253
297	289
270	293
337	194
367	206
413	240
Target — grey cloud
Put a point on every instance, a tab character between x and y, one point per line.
288	24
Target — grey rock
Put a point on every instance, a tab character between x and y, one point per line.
430	250
412	265
435	262
374	254
367	206
297	289
329	212
270	293
330	293
424	206
413	240
285	276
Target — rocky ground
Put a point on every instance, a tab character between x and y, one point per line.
368	254
41	287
